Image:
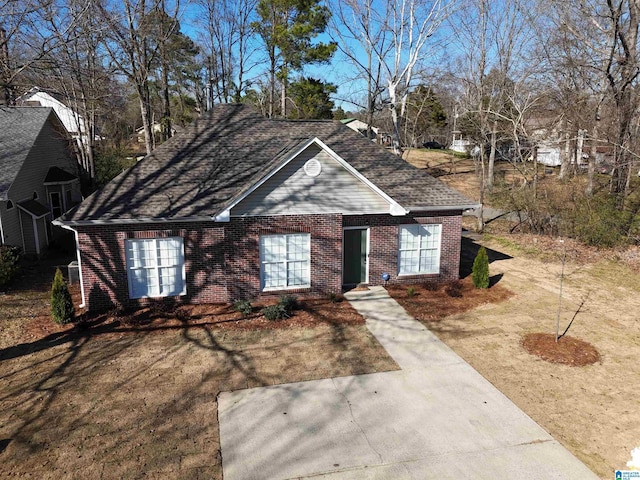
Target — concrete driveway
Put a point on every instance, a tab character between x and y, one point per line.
435	418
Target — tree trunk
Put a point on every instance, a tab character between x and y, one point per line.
492	156
482	187
579	146
565	157
593	149
395	119
145	113
5	70
535	173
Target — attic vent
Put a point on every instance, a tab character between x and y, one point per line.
312	168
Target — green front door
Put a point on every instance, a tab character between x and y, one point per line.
354	256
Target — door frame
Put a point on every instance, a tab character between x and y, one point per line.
368	232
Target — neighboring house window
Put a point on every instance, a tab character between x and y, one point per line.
56	204
419	249
285	261
35	195
9	204
155	267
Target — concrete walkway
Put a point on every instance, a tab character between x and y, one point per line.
435	418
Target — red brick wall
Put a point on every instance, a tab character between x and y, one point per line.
104	275
222	260
383	245
243	255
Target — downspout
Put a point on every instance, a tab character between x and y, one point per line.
75	233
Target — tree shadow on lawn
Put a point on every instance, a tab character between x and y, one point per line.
468	251
102	399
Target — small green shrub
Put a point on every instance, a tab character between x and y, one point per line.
411	292
480	270
62	310
274	312
9	258
454	289
289	303
243	306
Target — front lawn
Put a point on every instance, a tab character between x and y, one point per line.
134	394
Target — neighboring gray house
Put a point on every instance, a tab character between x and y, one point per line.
38	177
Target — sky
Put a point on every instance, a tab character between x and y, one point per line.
338	71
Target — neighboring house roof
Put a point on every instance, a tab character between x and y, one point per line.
358	125
202	172
19	128
34	208
58	175
69	118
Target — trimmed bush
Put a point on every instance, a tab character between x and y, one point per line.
289	303
454	289
480	270
9	258
411	292
274	312
62	310
243	306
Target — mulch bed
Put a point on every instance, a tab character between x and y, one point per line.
567	350
160	317
431	303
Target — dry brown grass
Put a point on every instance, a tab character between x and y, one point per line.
134	394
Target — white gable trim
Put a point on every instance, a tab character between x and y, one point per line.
395	208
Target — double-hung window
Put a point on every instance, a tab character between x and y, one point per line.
155	267
285	261
419	249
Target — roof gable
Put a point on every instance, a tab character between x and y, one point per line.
312	179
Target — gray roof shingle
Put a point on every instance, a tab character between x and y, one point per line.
200	172
19	128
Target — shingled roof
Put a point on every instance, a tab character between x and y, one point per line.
19	128
199	173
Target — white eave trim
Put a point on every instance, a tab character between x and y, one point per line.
128	221
395	209
442	208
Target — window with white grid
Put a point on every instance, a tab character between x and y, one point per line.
419	249
285	261
155	267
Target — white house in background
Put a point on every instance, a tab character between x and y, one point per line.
458	144
72	121
359	126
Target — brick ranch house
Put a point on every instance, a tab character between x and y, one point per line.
239	206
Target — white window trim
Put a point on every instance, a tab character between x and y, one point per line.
262	263
439	249
129	268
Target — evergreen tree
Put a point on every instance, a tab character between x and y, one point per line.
287	28
480	271
310	98
62	310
